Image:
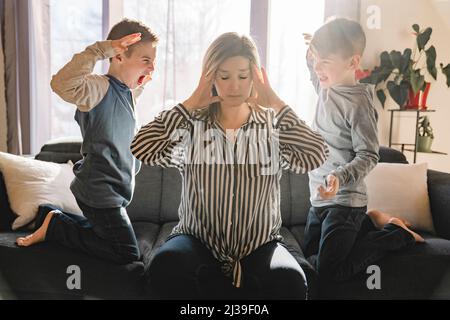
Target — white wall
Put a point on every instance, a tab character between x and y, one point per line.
397	17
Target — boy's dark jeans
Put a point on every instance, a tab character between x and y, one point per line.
342	241
184	268
104	233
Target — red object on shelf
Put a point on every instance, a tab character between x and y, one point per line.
361	74
418	100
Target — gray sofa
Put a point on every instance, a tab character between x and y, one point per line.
420	272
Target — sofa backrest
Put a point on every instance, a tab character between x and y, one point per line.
157	193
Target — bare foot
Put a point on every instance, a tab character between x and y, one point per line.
400	223
38	235
379	219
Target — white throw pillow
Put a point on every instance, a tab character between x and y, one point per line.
30	183
401	190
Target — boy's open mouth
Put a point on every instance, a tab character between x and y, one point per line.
141	80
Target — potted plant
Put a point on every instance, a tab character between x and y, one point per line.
425	138
402	74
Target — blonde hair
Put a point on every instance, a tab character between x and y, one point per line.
228	45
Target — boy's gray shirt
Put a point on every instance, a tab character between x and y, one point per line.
104	178
347	120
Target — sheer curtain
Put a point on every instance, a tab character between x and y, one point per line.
287	67
40	105
60	28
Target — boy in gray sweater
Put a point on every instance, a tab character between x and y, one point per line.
104	178
340	238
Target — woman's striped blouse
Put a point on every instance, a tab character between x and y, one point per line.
230	197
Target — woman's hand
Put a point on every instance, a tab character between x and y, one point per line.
331	189
262	93
202	96
121	45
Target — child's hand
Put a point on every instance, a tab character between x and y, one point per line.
307	37
262	93
202	96
121	45
331	189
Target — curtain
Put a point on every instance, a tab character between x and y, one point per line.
186	29
287	68
15	22
3	124
40	74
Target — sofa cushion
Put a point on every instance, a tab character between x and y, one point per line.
391	155
171	195
40	271
61	150
300	204
401	190
439	191
146	202
6	215
421	271
31	183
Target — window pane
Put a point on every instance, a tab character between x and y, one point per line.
185	29
287	68
74	24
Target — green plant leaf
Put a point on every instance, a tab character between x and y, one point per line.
417	81
398	92
416	27
382	97
406	59
396	59
446	71
385	60
431	61
423	38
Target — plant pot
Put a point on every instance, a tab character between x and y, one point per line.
418	100
424	144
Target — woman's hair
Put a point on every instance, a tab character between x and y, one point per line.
228	45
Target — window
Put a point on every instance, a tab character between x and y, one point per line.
286	66
74	24
185	29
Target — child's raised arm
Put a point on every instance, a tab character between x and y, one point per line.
310	62
76	84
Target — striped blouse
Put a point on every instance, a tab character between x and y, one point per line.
230	197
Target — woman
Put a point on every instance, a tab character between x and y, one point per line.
230	141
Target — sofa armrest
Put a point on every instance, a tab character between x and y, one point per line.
439	193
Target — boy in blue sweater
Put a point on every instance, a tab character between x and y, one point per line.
104	178
340	238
